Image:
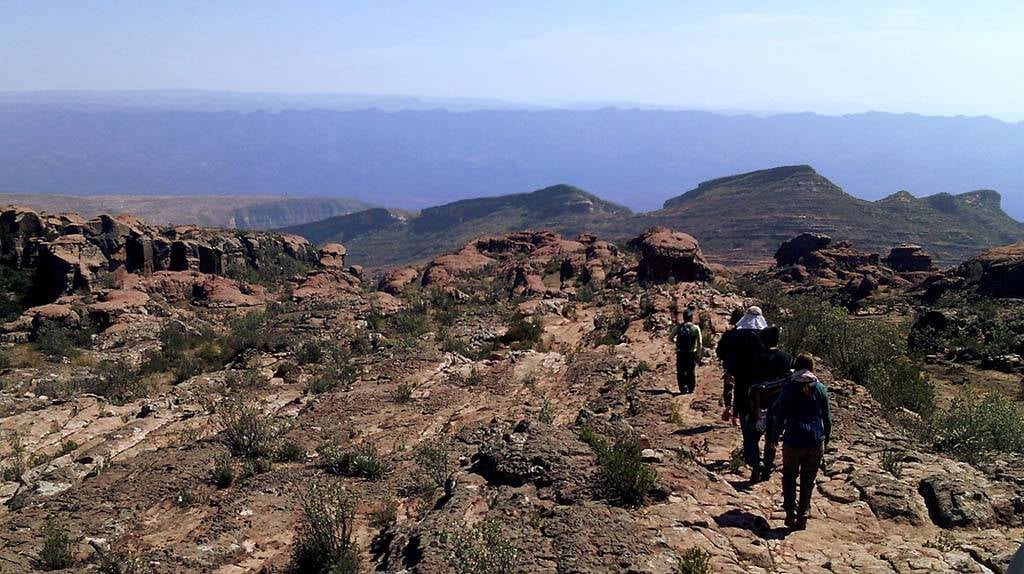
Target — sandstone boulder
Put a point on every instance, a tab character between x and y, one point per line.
909	258
332	255
997	272
394	280
793	250
666	254
954	503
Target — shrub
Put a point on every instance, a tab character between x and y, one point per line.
311	352
249	432
384	515
522	333
870	352
625	478
325	536
56	552
434	457
247	380
15	290
610	329
186	498
333	378
223	474
289	451
482	549
974	427
112	562
547	412
892	462
270	267
250	331
118	382
402	393
59	340
694	561
363	462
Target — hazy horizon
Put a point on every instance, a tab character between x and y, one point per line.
927	58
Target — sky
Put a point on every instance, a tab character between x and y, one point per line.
929	56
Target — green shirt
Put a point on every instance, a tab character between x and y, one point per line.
698	342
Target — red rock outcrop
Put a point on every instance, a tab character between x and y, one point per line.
68	253
909	258
666	254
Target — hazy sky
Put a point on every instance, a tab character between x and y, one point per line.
932	57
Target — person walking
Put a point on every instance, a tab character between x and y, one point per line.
724	350
689	350
776	365
743	354
803	417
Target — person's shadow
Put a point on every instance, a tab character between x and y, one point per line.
751	522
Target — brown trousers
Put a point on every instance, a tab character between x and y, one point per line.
799	463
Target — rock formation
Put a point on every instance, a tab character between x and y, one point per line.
69	254
909	258
666	254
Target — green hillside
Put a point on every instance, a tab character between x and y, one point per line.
739	218
380	237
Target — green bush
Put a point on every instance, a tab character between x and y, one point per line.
870	352
625	478
363	462
59	340
334	377
694	561
610	329
973	428
289	451
112	562
523	333
325	536
270	267
223	474
482	549
434	457
117	381
249	432
56	553
15	292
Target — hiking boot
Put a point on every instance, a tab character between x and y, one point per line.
766	472
800	523
790	519
755	475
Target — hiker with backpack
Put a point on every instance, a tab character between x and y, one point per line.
689	350
774	370
723	350
742	352
803	417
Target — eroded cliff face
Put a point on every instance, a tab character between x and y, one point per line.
68	253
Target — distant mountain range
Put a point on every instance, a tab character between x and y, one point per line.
231	211
380	237
421	157
739	218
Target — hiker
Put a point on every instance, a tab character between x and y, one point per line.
804	419
723	350
773	371
689	350
743	352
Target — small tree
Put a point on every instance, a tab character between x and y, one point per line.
435	458
324	542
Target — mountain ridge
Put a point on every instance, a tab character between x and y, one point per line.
740	217
415	159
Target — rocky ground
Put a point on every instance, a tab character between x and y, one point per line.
446	356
